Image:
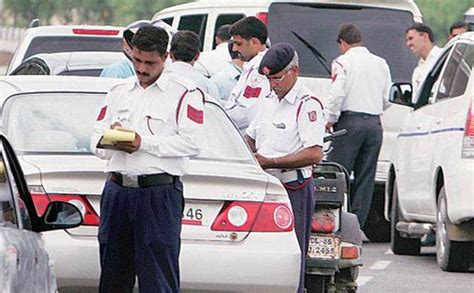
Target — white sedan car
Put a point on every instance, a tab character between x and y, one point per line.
237	231
431	181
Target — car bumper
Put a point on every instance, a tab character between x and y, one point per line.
263	262
381	173
460	192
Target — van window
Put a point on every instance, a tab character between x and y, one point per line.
168	20
225	19
383	33
453	80
195	23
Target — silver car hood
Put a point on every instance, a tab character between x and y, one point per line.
24	262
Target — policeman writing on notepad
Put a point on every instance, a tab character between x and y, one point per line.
286	136
142	201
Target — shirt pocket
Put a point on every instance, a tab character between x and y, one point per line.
157	125
284	138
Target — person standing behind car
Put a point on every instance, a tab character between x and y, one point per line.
357	97
457	28
420	39
184	52
249	36
227	78
124	68
215	59
142	201
287	137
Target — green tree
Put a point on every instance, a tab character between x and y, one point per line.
441	14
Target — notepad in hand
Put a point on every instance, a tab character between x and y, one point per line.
117	134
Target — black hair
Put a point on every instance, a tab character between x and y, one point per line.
350	34
151	39
459	24
233	54
223	32
185	45
250	27
422	28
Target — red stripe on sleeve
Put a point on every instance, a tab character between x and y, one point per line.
195	114
102	113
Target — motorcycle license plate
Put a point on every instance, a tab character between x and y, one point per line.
324	247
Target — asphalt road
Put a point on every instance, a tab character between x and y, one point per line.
385	272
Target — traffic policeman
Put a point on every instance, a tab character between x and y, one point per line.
142	201
249	36
287	136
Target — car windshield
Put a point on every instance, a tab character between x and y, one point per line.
51	122
56	44
317	25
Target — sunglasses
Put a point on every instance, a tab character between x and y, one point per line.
279	79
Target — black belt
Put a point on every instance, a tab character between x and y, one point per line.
352	113
141	180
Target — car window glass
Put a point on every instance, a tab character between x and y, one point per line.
56	44
82	72
222	141
21	70
168	20
463	72
450	74
195	23
51	122
7	206
225	19
35	70
318	24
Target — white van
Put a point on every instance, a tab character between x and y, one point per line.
382	23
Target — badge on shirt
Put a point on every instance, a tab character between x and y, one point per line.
255	80
102	113
312	116
195	114
251	92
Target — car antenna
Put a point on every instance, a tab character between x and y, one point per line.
315	52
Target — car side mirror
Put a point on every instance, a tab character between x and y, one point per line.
401	94
61	215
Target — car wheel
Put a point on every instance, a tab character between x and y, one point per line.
399	244
451	255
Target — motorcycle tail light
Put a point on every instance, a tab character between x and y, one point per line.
324	221
349	252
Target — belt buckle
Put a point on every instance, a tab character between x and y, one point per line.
130	181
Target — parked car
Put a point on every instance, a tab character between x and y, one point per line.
66	38
24	262
83	63
237	231
469	17
430	187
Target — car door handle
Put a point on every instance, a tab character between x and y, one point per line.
439	121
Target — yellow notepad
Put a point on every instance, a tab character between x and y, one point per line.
117	134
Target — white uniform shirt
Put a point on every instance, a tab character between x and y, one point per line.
186	70
214	60
288	126
225	80
168	115
360	83
422	69
244	98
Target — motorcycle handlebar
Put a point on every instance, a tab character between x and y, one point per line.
331	136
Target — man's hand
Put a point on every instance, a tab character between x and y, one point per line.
129	147
115	125
264	162
329	126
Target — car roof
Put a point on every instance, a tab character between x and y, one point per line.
77	59
215	4
16	84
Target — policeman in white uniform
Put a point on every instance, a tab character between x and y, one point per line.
420	39
142	201
287	136
249	36
357	97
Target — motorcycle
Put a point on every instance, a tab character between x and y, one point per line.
334	250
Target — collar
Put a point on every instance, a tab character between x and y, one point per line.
255	61
161	82
292	95
357	50
222	46
182	66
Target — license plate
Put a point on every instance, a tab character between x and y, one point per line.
195	215
323	247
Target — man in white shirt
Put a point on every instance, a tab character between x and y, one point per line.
419	38
287	137
142	201
357	97
214	60
249	36
457	28
184	52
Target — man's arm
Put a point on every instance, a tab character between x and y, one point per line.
251	143
336	93
305	157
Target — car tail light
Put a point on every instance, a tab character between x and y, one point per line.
468	140
263	16
97	32
324	221
243	216
349	252
42	199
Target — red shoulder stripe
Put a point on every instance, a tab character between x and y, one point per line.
301	104
178	108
